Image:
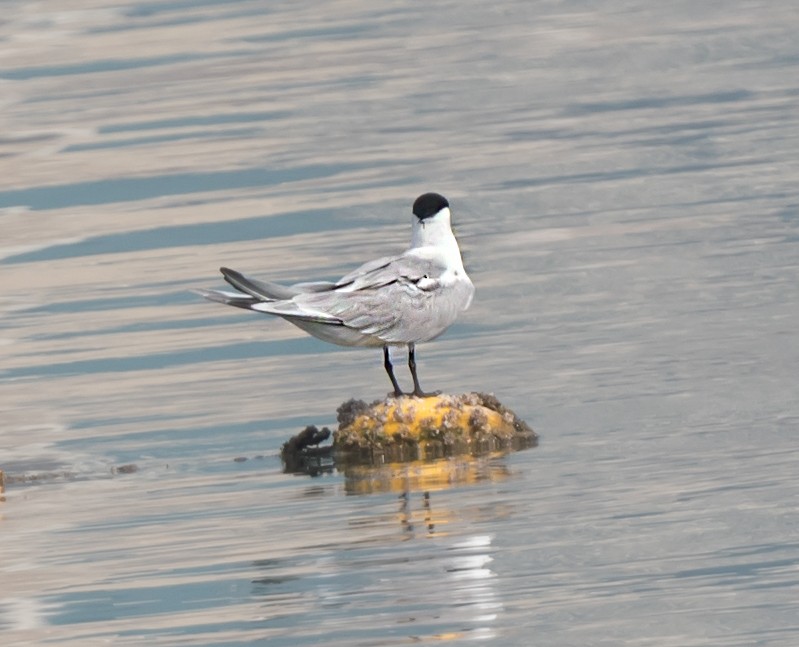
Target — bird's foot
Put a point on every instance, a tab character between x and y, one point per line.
418	393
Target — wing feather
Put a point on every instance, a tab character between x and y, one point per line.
380	298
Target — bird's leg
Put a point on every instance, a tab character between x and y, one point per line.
417	390
390	370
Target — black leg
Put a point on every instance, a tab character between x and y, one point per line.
390	370
417	390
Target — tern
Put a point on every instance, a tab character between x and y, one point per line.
391	301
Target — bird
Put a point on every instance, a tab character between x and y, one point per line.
400	300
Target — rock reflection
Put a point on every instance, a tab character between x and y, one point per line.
423	476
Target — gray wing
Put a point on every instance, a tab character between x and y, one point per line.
366	270
393	298
269	291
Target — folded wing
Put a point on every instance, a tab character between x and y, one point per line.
396	299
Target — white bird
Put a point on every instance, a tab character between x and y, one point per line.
392	301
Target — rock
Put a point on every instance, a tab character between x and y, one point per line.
409	428
302	453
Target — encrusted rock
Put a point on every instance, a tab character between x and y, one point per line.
410	428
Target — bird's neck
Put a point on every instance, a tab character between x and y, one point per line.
435	240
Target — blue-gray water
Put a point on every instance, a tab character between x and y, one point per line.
625	183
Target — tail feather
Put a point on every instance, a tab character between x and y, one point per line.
236	299
261	290
271	298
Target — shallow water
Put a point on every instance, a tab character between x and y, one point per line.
624	183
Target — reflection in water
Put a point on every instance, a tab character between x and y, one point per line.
406	514
403	564
424	476
471	583
423	587
22	614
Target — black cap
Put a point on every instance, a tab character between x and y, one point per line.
428	205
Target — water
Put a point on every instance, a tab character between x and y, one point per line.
624	182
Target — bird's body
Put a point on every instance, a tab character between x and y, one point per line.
391	301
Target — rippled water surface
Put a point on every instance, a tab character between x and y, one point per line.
625	186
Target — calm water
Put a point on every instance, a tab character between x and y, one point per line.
625	182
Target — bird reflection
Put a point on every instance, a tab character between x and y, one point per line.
406	515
